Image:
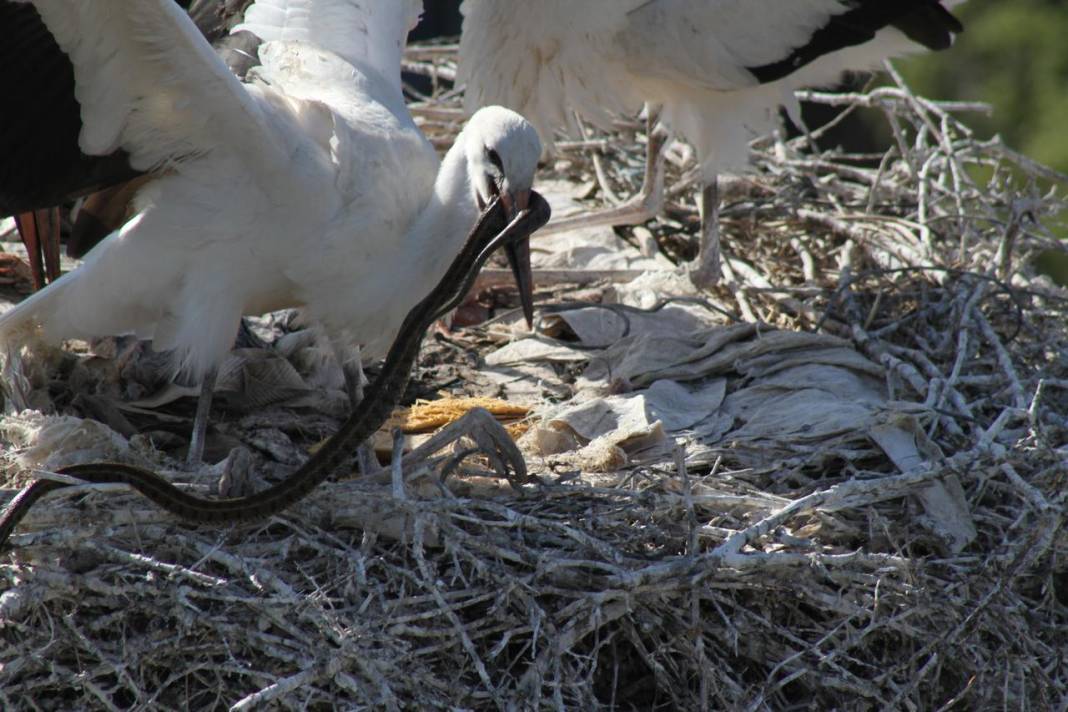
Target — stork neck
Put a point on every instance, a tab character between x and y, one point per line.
441	228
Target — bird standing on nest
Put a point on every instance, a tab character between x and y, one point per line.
715	71
310	186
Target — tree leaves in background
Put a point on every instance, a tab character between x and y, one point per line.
1013	54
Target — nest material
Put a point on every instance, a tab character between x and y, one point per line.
701	576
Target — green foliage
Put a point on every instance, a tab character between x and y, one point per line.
1013	54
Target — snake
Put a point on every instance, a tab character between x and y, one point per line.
490	232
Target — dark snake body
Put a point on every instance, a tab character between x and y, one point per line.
366	418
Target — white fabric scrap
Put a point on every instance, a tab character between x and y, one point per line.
535	348
946	511
635	424
519	383
53	441
718	351
601	327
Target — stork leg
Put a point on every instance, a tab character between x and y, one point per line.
642	207
39	230
49	220
352	368
200	420
705	270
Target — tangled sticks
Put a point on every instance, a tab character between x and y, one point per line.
488	234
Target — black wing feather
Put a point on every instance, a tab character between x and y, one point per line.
925	22
41	164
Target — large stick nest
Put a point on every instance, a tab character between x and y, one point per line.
890	537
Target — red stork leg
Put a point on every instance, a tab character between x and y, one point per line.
40	234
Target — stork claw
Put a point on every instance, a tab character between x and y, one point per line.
490	439
493	441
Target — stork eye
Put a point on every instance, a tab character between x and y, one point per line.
495	159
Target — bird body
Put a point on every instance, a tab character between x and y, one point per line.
714	71
719	69
310	186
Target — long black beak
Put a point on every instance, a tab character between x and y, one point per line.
518	254
519	260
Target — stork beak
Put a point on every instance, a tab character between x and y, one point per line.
518	254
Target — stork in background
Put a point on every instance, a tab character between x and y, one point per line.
310	186
715	71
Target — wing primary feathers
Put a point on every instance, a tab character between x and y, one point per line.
926	22
42	164
932	26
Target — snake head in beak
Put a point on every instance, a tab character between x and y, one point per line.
496	227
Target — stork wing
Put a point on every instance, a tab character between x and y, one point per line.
369	34
40	162
150	84
728	44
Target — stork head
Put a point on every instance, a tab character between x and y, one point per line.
502	156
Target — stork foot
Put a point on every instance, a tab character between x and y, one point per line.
352	368
489	438
238	477
641	208
366	460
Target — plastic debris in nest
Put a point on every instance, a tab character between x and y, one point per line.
614	432
131	388
749	393
298	371
44	442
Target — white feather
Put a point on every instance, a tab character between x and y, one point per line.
149	82
369	33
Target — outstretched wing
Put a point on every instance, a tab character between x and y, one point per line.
729	44
369	34
150	84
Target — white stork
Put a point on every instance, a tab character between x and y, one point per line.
310	186
716	71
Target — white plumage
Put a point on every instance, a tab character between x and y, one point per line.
310	186
694	59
